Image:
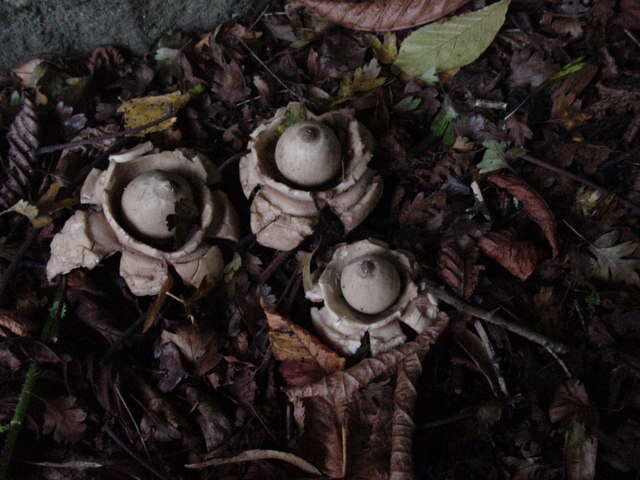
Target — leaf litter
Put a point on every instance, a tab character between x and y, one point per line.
233	378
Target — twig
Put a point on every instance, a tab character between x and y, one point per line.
482	333
136	457
22	407
266	67
94	140
15	262
630	205
632	37
492	317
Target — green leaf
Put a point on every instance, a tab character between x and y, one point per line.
451	44
441	126
493	158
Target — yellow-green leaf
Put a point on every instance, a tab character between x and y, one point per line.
144	110
451	44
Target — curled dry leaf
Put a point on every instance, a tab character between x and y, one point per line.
253	455
517	256
532	202
304	357
380	15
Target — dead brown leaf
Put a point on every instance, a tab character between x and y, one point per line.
342	385
427	210
304	358
533	203
198	347
65	421
404	401
459	269
380	15
519	257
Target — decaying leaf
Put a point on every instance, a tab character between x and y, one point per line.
451	44
17	323
532	202
253	455
381	15
64	420
144	110
517	256
304	358
611	263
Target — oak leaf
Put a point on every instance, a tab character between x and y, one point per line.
532	202
380	15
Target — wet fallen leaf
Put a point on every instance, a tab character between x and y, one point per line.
519	257
453	43
532	202
381	15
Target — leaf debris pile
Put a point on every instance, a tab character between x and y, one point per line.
508	139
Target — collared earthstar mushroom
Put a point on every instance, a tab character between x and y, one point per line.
303	162
142	202
367	287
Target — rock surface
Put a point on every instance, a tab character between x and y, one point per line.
45	28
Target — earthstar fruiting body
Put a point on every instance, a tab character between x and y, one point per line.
136	196
359	300
285	209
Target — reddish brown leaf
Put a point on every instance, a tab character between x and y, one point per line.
304	358
381	15
66	422
532	202
229	83
519	257
459	269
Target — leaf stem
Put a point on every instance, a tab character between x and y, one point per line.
22	407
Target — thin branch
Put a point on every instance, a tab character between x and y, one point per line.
266	67
136	457
492	317
93	140
540	163
22	407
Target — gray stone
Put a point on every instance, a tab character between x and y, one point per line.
44	28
